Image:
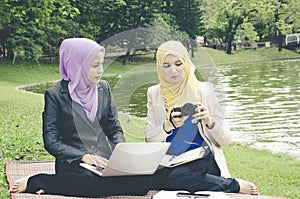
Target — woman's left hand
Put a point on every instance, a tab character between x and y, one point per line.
202	113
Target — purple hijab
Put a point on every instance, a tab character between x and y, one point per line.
76	57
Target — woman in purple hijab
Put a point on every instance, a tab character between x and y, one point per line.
80	124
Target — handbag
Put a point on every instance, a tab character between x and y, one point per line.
185	138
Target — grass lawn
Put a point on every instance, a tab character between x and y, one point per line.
20	127
259	54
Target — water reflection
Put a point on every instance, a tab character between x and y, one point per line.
262	103
130	92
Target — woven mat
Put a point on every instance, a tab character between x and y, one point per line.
16	170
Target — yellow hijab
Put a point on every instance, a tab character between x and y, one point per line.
183	91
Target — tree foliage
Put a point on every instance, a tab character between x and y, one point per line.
31	28
34	28
227	19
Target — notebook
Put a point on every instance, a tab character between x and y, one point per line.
132	159
163	194
173	160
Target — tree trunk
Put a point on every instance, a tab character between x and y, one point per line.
2	50
14	58
229	46
280	38
191	46
126	57
50	54
229	36
192	50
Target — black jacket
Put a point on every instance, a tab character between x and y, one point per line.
67	132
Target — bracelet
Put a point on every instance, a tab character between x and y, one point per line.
167	132
212	125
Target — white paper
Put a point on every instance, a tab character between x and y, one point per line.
172	195
171	161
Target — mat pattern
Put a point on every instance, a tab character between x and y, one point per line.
16	170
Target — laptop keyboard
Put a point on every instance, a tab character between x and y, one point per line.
100	169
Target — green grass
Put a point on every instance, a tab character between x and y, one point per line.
220	57
21	140
274	174
116	66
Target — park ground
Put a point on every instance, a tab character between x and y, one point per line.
20	129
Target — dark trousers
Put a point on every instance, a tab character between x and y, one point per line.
199	175
83	185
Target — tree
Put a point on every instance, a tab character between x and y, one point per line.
294	15
278	22
130	16
229	15
30	25
30	29
284	19
4	28
58	26
188	17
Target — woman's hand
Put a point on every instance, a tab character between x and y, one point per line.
202	113
95	160
177	120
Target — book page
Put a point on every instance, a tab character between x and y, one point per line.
171	160
163	194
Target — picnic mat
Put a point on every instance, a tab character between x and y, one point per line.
16	170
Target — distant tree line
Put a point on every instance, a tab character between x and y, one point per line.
30	29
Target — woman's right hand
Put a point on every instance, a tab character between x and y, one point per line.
177	120
95	160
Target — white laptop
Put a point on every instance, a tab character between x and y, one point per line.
132	159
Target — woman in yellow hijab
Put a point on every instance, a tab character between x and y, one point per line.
186	112
177	90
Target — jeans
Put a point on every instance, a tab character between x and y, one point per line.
199	175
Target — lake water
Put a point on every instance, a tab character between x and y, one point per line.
261	100
262	103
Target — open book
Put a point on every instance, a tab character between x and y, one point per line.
172	160
184	194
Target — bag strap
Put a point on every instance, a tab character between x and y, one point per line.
203	135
